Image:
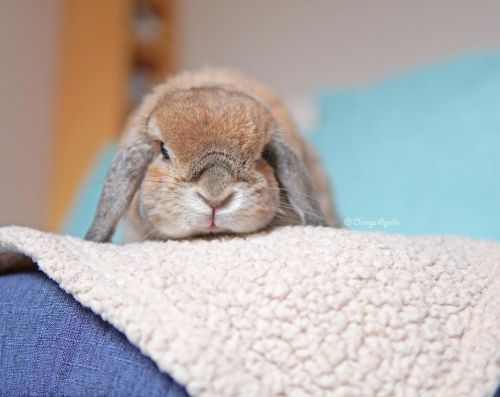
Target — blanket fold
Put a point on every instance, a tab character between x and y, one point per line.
298	311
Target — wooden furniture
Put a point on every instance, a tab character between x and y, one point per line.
111	52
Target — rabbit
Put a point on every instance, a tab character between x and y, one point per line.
211	152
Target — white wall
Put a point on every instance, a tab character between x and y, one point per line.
298	45
28	42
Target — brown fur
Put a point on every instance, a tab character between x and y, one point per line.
220	121
201	120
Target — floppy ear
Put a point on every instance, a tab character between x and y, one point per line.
123	179
292	175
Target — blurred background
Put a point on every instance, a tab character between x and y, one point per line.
402	99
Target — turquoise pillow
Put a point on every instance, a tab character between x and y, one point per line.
84	206
418	153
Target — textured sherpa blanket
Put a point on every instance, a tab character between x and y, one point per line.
299	311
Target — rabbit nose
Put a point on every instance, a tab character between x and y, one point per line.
218	202
215	186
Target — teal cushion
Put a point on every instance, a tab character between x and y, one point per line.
83	208
418	153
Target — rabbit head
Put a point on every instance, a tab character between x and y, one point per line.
204	160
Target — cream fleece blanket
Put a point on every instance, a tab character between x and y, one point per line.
299	311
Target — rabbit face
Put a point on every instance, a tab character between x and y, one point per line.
208	175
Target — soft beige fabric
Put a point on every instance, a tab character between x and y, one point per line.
300	311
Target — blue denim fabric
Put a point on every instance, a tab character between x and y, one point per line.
52	346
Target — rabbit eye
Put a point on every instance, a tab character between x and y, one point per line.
164	152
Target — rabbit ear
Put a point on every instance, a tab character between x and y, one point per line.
292	175
123	179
